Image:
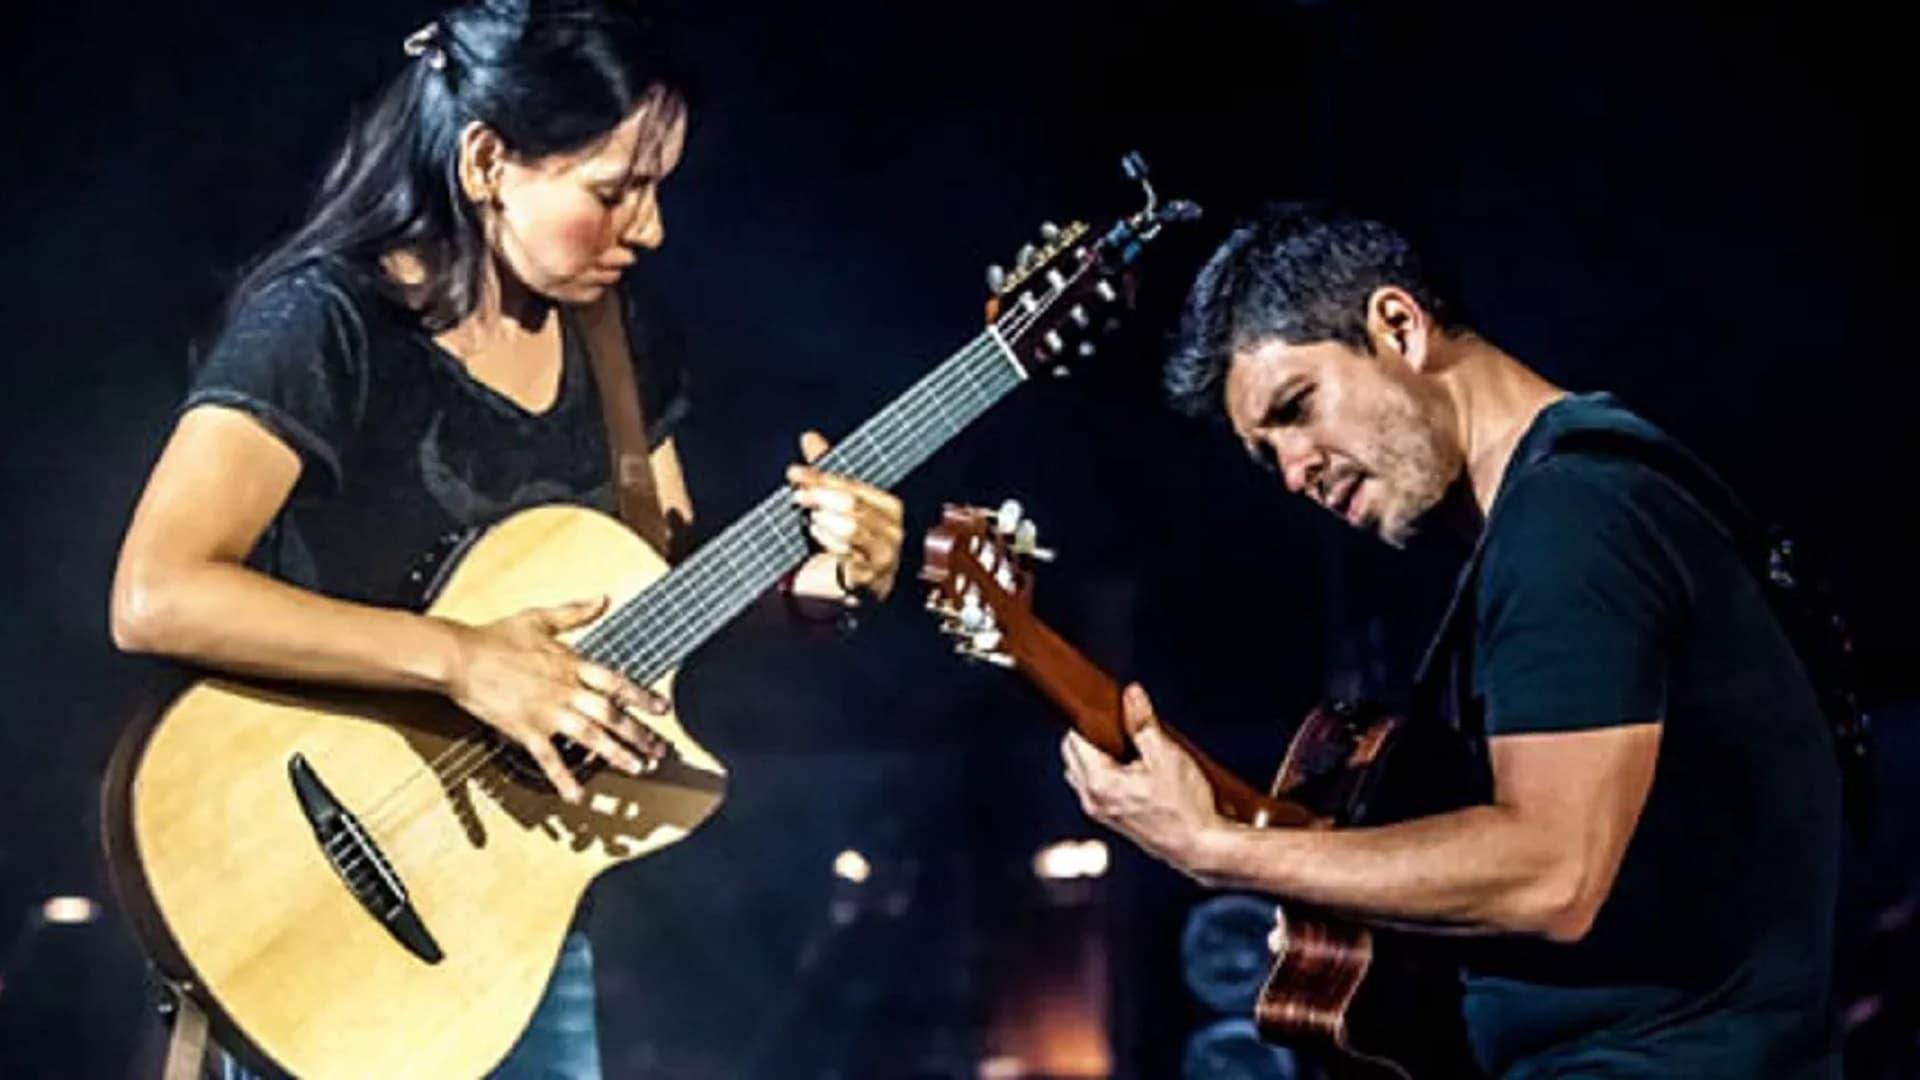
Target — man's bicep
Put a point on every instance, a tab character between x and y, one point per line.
1585	789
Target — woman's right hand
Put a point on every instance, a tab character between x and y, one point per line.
515	677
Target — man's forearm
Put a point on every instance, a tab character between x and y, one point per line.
1477	869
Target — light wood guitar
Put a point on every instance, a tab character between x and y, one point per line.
359	884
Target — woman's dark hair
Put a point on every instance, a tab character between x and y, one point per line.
547	77
1299	272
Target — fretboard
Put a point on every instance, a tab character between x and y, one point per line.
652	633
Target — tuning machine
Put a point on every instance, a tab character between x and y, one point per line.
972	650
1022	532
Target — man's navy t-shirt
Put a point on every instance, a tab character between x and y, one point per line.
1606	596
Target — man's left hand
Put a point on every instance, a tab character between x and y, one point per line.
1160	801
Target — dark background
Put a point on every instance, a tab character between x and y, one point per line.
1699	211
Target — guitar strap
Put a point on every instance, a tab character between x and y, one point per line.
187	1045
610	349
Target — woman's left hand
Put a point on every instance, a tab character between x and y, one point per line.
858	527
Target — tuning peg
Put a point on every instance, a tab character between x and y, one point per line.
1049	232
1061	371
1054	342
1088	348
996	278
966	649
940	607
1007	518
973	617
1026	254
1079	316
1104	290
1026	542
1056	279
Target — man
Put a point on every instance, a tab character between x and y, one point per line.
1655	862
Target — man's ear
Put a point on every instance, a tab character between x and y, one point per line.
1398	328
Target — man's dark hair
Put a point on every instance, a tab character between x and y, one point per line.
1300	272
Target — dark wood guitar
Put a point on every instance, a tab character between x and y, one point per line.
1364	1000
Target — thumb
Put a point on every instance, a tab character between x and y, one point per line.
562	617
813	446
1137	711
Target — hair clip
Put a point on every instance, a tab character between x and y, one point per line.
425	42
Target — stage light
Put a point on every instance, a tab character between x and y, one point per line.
1002	1068
852	866
1070	859
69	910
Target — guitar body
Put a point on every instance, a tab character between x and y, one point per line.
1367	1002
217	859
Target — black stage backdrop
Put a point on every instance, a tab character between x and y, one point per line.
1700	212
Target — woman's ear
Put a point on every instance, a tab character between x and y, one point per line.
482	159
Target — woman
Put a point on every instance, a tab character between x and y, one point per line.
405	367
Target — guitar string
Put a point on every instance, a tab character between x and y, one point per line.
935	395
465	757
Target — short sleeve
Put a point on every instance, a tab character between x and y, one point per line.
660	362
1578	604
293	356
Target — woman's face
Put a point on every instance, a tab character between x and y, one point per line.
567	225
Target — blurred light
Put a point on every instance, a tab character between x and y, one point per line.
1071	859
69	910
1002	1068
1233	1048
1223	951
852	866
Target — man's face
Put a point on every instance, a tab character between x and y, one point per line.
1354	432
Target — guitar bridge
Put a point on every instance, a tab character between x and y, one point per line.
359	862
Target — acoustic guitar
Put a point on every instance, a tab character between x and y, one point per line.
357	884
1365	1001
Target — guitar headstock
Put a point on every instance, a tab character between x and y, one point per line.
980	583
1062	294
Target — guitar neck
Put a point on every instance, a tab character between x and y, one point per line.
652	633
1091	700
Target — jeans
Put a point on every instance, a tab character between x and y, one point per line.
561	1042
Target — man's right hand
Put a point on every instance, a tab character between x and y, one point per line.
515	677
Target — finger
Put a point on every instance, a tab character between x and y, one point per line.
623	691
863	525
562	617
818	498
556	770
600	740
835	524
877	548
813	446
1143	728
612	717
586	720
1076	751
884	501
653	748
1137	709
831	542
